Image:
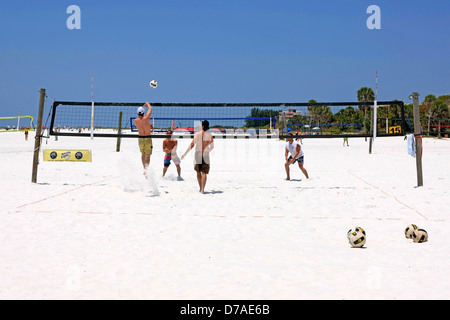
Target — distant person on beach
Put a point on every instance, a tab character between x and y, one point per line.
170	149
204	143
293	147
299	134
142	123
26	135
345	140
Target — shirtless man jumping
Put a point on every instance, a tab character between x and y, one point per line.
204	143
142	123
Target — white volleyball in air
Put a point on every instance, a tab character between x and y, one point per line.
420	236
356	237
409	230
153	84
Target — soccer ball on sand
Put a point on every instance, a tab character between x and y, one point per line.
356	237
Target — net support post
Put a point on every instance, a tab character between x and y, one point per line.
92	120
375	124
119	131
37	141
372	129
92	108
418	138
50	132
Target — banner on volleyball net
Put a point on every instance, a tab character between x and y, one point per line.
305	120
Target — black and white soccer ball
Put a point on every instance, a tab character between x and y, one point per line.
409	230
356	237
420	236
153	84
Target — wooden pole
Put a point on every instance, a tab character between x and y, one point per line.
37	141
418	138
92	109
371	130
119	131
56	136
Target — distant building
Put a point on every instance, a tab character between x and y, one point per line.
289	113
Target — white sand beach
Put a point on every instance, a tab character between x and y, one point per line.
100	230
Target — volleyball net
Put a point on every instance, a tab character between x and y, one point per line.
436	129
305	120
17	123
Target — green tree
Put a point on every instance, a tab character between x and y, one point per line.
320	115
311	110
299	119
260	113
348	116
428	102
365	94
440	111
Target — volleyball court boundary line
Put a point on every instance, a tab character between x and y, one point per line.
393	197
65	192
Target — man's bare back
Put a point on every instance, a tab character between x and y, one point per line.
203	141
143	122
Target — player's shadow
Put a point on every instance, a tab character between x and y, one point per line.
213	192
296	180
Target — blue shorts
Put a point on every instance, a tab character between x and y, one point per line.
299	159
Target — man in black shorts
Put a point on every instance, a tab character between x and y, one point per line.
204	143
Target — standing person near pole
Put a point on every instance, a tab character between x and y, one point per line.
204	143
345	140
293	147
142	123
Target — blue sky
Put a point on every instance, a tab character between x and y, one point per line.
220	51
